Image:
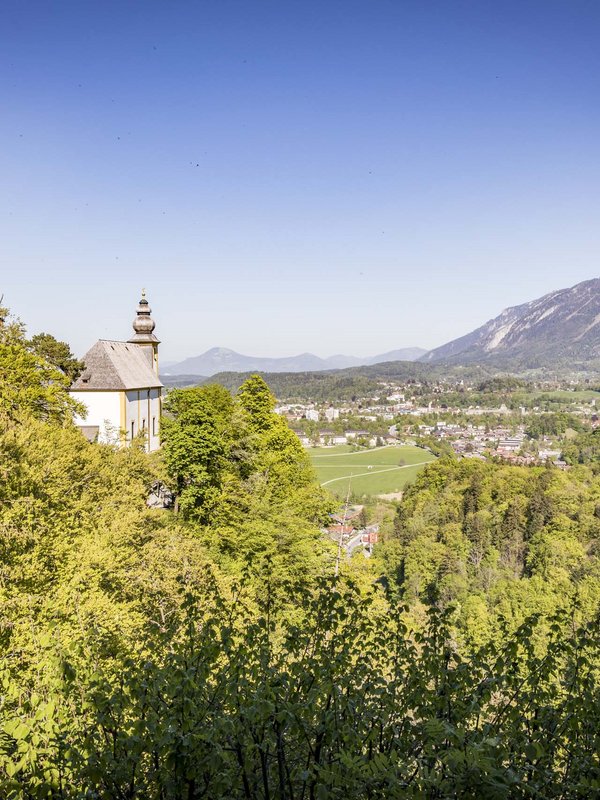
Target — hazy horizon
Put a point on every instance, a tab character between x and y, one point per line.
346	177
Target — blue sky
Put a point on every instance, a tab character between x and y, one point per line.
295	176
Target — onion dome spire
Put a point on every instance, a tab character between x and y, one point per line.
143	324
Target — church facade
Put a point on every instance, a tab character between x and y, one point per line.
120	386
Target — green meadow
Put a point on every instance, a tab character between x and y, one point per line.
383	470
559	396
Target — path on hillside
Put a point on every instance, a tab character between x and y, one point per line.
375	472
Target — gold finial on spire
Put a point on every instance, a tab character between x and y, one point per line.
143	294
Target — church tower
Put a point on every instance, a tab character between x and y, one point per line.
143	326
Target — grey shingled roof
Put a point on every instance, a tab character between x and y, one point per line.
117	366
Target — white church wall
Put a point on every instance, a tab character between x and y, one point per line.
104	410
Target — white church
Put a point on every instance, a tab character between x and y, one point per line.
120	386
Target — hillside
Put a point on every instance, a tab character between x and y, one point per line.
561	328
341	384
165	652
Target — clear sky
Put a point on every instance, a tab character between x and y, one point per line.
286	176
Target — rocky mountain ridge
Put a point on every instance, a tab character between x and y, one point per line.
562	326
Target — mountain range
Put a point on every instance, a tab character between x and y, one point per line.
560	328
220	359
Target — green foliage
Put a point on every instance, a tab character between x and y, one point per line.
553	425
343	702
256	399
160	656
317	386
30	385
343	384
584	449
57	353
240	472
501	384
519	540
194	451
80	553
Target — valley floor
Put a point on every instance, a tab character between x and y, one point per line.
382	470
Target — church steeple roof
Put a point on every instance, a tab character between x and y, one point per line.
143	324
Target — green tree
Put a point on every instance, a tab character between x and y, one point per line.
240	472
57	353
257	400
194	451
29	384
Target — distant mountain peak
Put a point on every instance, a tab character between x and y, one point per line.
222	359
562	325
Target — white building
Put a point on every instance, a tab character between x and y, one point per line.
120	386
312	415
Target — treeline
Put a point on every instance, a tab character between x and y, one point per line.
339	385
377	428
310	386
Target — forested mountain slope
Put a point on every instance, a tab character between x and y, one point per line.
343	384
498	542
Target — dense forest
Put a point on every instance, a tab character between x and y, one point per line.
210	650
497	543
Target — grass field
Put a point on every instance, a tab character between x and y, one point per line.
563	396
578	396
383	470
